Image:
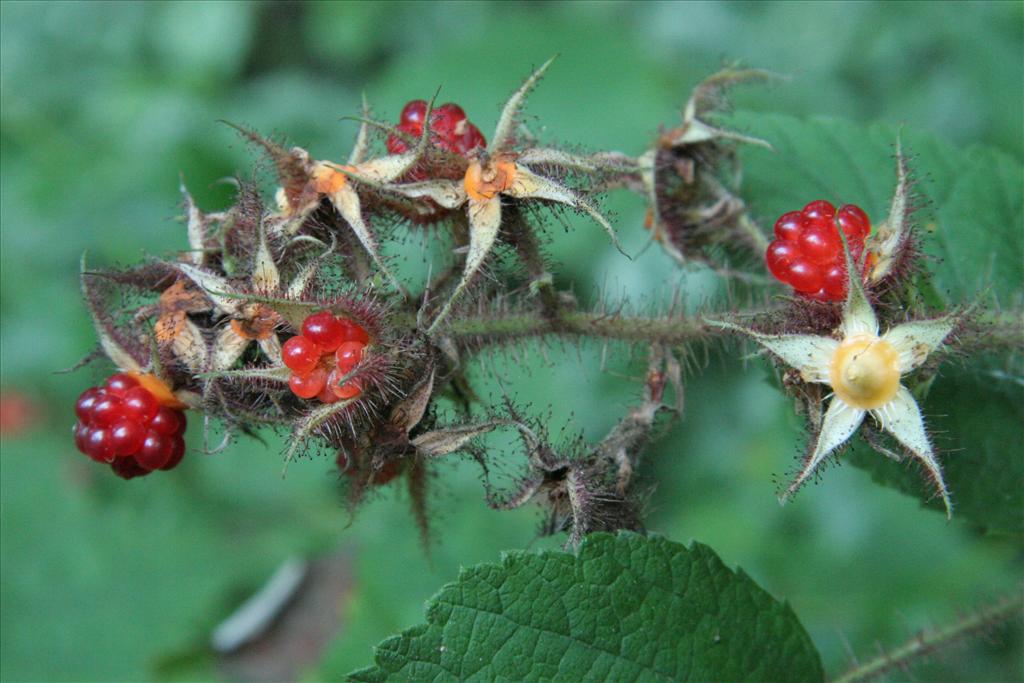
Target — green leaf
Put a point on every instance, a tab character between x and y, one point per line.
972	233
626	607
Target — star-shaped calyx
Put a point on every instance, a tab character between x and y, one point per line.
305	181
248	320
499	172
864	371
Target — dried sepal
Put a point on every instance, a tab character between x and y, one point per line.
362	144
528	185
408	412
504	132
292	165
445	193
272	374
892	244
690	179
706	98
314	421
451	439
544	156
226	297
265	276
228	347
198	228
189	347
115	345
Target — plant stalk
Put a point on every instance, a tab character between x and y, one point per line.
928	642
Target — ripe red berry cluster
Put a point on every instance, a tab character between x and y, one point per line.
124	425
329	348
807	253
448	123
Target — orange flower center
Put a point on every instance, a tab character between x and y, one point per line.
327	180
484	182
259	324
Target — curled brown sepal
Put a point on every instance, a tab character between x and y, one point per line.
125	352
707	98
133	350
453	438
691	176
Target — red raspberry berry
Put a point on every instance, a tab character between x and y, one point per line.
168	421
780	255
818	209
349	389
413	112
132	422
348	356
126	437
445	117
788	226
470	140
854	222
108	410
81	434
834	281
300	354
140	405
98	444
807	253
119	384
354	332
324	330
804	276
397	145
86	401
177	453
327	394
128	468
820	243
155	451
450	130
309	385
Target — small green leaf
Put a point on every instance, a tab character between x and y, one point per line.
626	608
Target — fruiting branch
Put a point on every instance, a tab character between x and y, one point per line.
929	642
1001	331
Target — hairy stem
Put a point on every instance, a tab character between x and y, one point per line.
664	330
929	642
1000	331
524	238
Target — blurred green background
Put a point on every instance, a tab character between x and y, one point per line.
104	104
